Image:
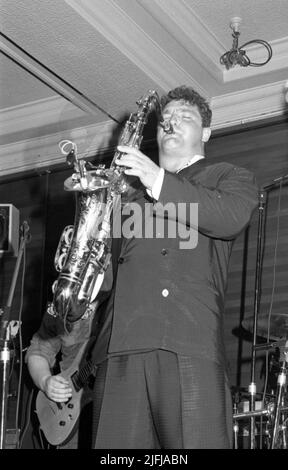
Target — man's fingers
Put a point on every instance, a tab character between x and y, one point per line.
132	152
133	172
59	384
130	162
58	391
127	149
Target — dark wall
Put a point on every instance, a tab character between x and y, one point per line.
262	148
29	196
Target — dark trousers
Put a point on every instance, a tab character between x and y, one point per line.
160	400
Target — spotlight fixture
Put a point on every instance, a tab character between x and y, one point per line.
237	55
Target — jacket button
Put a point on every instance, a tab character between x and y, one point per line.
164	252
165	292
121	260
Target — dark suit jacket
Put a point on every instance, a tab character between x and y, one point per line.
171	297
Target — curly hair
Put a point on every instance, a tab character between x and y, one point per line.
190	96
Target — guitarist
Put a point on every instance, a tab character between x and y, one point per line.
52	351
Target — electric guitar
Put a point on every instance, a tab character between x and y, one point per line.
58	420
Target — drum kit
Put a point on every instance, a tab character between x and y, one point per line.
260	420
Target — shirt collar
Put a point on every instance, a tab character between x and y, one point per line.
190	162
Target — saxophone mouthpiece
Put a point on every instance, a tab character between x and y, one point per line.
166	126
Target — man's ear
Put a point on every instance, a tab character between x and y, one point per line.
206	132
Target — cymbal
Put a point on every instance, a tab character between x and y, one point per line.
278	325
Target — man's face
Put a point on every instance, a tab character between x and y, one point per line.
187	129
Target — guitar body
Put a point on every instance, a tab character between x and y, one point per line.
57	420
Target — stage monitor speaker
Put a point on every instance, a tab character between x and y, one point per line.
9	230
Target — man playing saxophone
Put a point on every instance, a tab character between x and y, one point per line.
163	382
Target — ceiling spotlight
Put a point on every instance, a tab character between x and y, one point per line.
237	55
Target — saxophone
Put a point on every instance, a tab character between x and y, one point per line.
84	249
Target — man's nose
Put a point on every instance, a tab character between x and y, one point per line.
175	118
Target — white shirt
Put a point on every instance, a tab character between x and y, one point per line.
157	186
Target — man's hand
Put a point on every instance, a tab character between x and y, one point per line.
56	388
138	165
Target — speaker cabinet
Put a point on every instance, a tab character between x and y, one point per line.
9	230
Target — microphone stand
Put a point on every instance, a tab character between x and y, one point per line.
252	386
5	336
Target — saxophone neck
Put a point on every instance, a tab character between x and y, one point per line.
132	133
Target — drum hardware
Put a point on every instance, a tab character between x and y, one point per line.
262	197
278	323
248	414
267	413
236	402
270	345
281	387
240	393
235	428
275	411
241	431
273	430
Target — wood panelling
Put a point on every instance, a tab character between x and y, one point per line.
262	148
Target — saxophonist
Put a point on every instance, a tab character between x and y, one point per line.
162	383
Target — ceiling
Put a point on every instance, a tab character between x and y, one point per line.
72	69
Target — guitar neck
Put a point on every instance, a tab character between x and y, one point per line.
80	377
